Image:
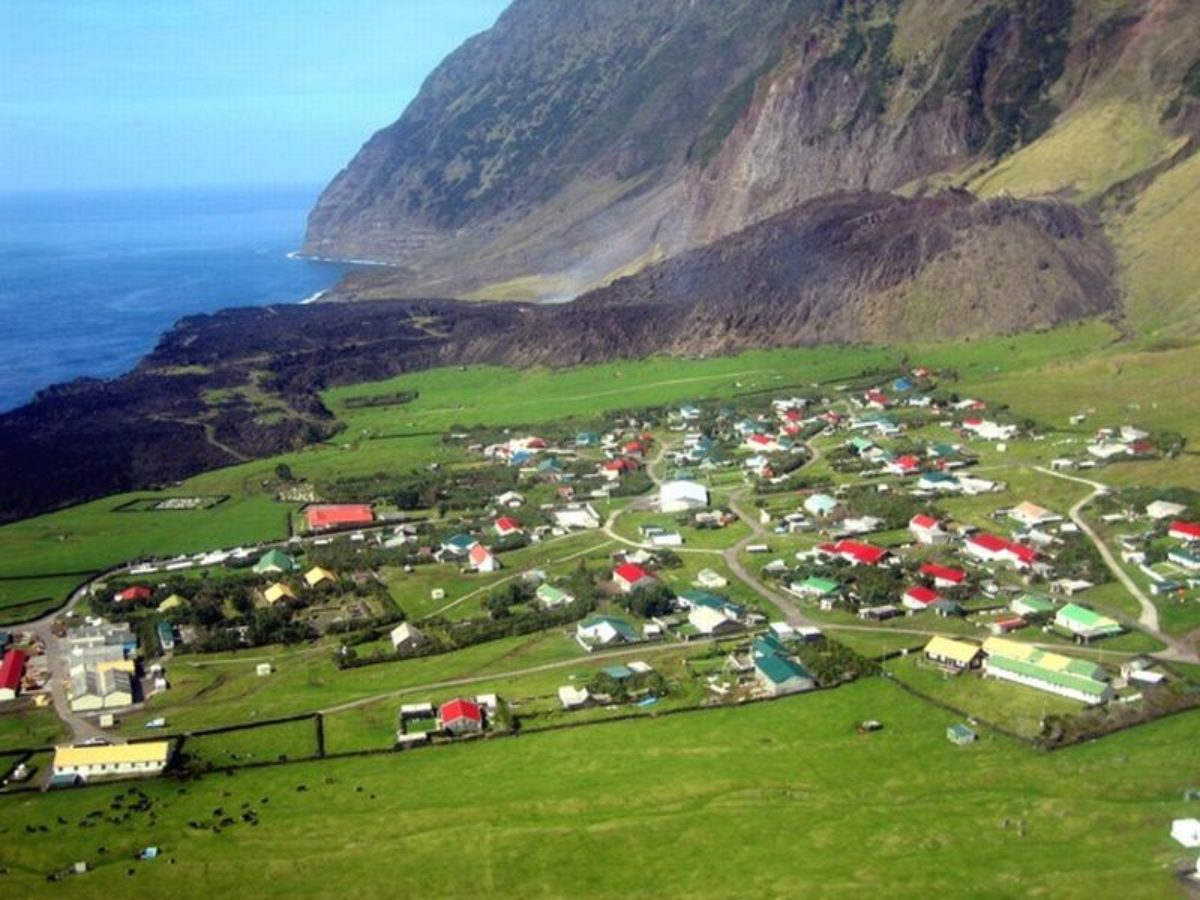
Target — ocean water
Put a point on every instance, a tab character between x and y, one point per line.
89	281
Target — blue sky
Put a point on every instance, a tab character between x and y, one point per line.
153	93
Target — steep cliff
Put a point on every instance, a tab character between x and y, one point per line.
574	143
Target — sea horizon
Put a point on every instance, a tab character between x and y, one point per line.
91	278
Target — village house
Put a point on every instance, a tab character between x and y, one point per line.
460	716
1164	509
458	545
506	525
1031	515
1054	673
1189	532
135	594
1184	558
275	562
83	763
1085	624
713	622
346	515
628	577
1032	607
12	669
814	586
707	578
820	506
551	597
604	631
943	576
510	500
278	592
953	654
855	552
481	559
577	517
918	598
682	496
316	576
406	638
927	530
990	548
775	672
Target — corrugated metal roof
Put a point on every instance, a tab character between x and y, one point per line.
114	754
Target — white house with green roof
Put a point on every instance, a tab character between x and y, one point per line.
1085	624
1032	606
778	674
1066	676
275	562
550	597
814	587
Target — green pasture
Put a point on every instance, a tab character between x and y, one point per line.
718	803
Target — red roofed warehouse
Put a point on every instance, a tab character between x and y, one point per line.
461	716
629	577
11	671
348	515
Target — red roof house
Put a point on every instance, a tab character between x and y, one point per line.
134	594
1185	531
919	597
943	576
990	548
342	515
629	577
506	525
11	671
856	552
482	559
461	716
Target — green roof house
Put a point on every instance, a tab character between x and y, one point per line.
779	675
275	562
815	587
1085	624
1032	606
549	596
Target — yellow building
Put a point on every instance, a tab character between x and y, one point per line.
317	576
954	654
278	591
115	759
172	602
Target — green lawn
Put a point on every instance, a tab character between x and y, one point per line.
30	728
723	803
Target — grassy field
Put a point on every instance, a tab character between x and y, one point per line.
30	728
1017	708
722	803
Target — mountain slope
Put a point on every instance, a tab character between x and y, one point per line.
577	142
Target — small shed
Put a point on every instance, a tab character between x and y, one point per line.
960	734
